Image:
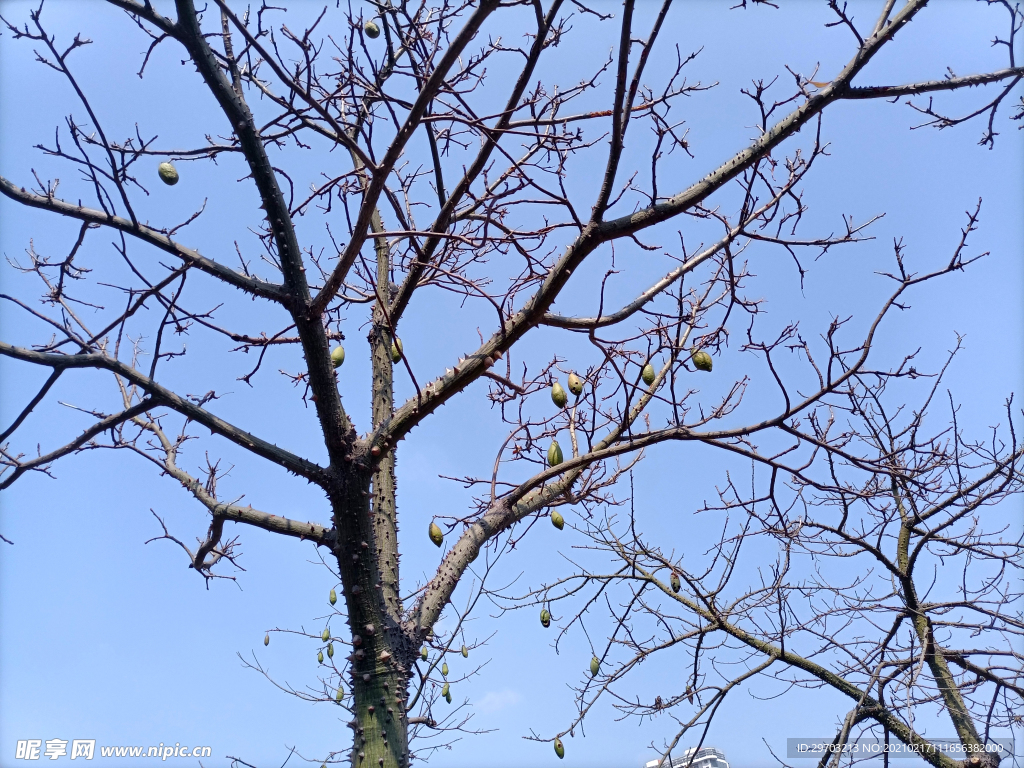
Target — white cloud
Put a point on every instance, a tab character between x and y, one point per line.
493	701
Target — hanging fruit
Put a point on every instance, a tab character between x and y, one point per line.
168	173
648	374
396	350
554	454
444	669
675	582
338	356
445	690
320	657
558	395
330	650
266	639
575	384
557	520
448	698
333	597
326	635
701	360
465	652
423	653
340	694
545	617
372	30
435	534
595	666
559	748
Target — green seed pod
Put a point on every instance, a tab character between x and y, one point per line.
575	384
675	582
435	534
330	650
545	617
168	174
445	690
595	666
444	669
333	597
266	639
338	356
448	698
648	374
372	30
326	635
557	520
465	652
554	454
558	395
423	653
320	657
701	360
559	748
340	694
396	350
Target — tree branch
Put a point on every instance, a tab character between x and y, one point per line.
302	467
101	426
154	237
380	173
928	86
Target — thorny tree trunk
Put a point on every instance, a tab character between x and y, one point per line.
382	655
368	562
366	542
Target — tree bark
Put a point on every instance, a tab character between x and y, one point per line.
380	661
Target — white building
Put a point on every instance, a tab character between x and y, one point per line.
707	757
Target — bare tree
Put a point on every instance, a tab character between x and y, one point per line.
491	217
879	504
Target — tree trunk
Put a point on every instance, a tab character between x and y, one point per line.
381	659
381	726
367	553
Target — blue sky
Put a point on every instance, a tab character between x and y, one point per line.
105	637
